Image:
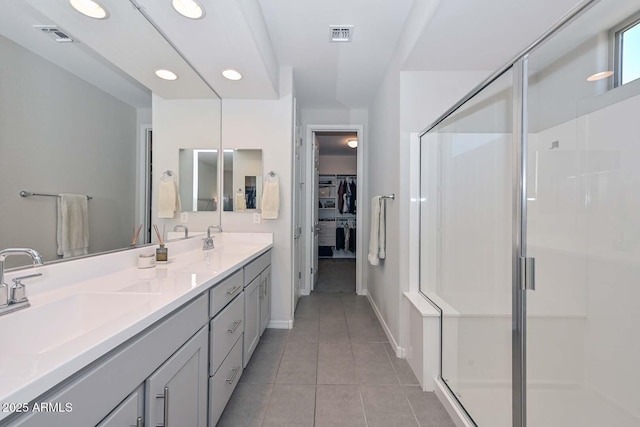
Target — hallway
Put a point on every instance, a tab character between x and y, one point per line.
334	368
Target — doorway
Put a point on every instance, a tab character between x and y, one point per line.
334	171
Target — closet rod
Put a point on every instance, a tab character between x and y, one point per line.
29	194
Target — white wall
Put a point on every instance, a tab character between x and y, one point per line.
338	165
182	123
268	125
60	134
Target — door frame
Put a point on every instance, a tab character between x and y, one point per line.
143	181
308	210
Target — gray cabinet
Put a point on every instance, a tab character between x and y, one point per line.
265	299
130	413
176	393
251	318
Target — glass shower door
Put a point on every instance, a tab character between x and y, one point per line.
583	228
466	248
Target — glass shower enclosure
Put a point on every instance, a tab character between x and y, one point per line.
530	231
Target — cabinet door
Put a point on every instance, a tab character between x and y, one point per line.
251	318
129	413
265	301
176	393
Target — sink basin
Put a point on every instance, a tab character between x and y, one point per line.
35	335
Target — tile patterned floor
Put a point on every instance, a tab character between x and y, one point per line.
334	368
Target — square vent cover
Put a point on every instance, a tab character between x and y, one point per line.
55	33
340	33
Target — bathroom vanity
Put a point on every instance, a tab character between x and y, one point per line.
107	344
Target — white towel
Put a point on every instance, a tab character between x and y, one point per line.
271	198
168	199
376	236
73	225
241	203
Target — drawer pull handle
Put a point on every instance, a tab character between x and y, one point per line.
139	422
233	327
165	396
234	373
234	290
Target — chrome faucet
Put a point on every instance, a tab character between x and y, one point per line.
184	227
16	298
209	228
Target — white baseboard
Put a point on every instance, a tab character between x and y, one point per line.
400	351
453	409
280	324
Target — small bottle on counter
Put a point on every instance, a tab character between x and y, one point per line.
162	254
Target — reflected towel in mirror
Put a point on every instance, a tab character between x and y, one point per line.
73	225
168	199
271	197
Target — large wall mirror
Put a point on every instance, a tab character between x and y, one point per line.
242	182
76	117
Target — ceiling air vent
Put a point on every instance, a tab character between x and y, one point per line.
340	33
55	33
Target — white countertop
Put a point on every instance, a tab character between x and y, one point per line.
82	309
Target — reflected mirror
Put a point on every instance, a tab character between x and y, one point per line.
76	117
198	179
242	181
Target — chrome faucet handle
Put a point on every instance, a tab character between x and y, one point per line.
18	291
208	244
4	295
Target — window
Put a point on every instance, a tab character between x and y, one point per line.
627	52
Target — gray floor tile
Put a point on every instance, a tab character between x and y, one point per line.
339	406
307	308
336	364
297	371
299	363
427	408
386	406
305	329
247	406
291	406
372	364
365	329
274	335
402	368
263	366
333	329
300	350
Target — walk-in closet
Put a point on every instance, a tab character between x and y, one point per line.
337	189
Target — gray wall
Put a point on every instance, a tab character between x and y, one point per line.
59	134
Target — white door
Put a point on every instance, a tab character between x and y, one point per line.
297	218
316	224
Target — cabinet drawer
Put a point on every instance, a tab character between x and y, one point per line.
226	327
222	384
255	267
224	292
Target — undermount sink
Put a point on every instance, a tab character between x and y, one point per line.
54	325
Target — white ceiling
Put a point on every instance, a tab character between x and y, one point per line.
482	34
334	75
259	36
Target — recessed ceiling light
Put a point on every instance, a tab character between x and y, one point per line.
90	8
166	74
231	74
188	8
352	143
600	76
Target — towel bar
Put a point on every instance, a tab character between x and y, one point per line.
29	194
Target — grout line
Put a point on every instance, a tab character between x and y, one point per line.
410	406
